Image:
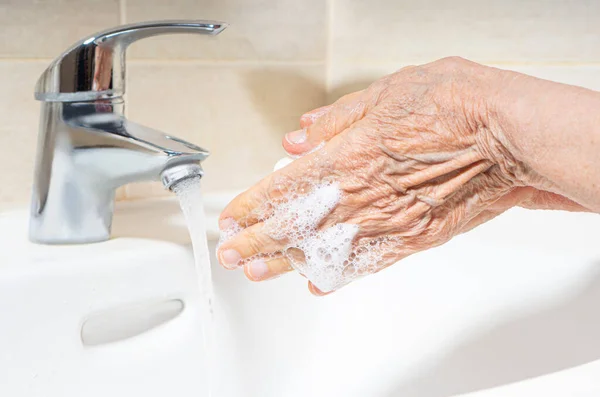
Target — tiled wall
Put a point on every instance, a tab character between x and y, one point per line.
554	39
237	94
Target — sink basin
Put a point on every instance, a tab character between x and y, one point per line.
513	300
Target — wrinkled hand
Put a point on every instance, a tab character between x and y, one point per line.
420	156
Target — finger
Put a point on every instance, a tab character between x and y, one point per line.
241	210
498	207
247	207
504	203
249	242
316	291
546	200
345	112
310	117
265	269
251	206
481	218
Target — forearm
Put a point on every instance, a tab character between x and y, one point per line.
554	129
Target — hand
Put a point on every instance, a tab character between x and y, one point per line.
420	156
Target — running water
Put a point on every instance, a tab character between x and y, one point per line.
190	199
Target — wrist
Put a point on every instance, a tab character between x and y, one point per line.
548	128
498	127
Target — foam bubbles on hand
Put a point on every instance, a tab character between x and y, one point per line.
331	257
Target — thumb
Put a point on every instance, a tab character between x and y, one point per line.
322	124
310	117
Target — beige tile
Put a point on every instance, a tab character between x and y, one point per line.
345	78
239	113
121	193
19	128
259	29
490	31
45	28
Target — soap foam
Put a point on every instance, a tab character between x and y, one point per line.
331	258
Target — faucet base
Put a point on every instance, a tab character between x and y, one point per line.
79	216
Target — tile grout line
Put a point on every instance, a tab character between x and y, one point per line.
32	60
209	62
122	12
383	62
328	48
327	62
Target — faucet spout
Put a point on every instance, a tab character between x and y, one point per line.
120	151
87	148
88	151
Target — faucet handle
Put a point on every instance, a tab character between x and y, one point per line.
94	68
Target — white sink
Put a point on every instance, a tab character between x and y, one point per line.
515	299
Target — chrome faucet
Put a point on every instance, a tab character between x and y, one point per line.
87	148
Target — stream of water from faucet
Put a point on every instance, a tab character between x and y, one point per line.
190	199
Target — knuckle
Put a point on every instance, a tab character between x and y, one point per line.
246	205
254	242
378	85
280	265
345	98
408	68
454	63
323	126
453	60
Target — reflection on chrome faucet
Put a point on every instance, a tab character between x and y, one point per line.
87	148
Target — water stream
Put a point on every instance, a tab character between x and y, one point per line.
190	199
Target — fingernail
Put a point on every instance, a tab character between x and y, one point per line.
258	269
296	137
226	223
230	258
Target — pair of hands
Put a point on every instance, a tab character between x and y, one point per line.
421	155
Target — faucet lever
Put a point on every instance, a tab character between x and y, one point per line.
87	148
94	67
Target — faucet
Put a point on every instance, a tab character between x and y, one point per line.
87	148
